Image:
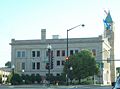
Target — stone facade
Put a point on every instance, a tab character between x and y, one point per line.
30	55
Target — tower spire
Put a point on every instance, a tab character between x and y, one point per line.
108	22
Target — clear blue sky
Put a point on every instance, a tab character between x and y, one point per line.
24	19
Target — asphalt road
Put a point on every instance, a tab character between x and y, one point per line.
55	87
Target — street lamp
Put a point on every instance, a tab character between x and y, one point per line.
23	76
71	68
49	57
23	71
67	58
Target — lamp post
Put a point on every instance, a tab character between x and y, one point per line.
71	68
49	57
23	71
67	58
13	79
23	76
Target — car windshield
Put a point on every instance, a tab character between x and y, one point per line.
117	83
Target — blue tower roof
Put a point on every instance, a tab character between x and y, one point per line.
108	19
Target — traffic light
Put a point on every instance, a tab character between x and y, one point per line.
47	66
52	63
67	58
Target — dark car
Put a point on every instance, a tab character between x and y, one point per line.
116	85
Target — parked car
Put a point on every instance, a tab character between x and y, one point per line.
116	85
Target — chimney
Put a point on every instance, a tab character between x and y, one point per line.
43	34
55	36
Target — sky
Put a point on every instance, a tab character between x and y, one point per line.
24	19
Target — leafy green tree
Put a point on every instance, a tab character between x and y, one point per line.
9	78
16	79
38	78
83	64
8	64
50	78
23	78
28	79
60	79
33	78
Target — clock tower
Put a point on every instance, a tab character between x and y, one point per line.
109	33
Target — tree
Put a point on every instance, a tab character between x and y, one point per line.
15	79
32	78
60	79
8	64
28	79
38	78
9	77
83	64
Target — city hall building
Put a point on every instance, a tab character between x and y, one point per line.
31	56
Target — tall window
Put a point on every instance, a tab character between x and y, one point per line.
46	53
63	52
33	53
38	53
58	63
71	52
94	52
58	52
57	74
76	51
63	62
23	65
38	65
23	53
33	65
18	54
50	54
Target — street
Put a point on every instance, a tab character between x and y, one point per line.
55	87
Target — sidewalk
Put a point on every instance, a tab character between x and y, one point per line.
51	86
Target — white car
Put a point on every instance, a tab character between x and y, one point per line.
116	85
